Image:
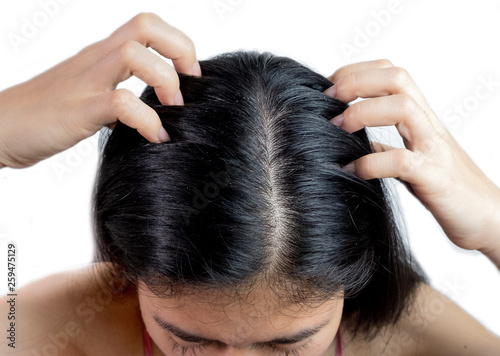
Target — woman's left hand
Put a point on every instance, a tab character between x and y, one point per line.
462	199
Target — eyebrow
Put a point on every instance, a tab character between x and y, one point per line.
285	340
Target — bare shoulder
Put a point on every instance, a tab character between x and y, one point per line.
44	321
67	313
433	325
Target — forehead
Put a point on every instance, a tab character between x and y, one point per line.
261	317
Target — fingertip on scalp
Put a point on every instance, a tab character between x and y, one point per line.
350	167
163	135
331	91
196	69
166	98
338	120
178	100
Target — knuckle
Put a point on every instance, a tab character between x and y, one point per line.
164	73
185	46
399	75
404	158
384	63
144	21
353	111
188	44
430	144
129	49
122	101
349	80
172	79
405	162
407	103
166	77
339	73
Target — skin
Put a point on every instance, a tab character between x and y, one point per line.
433	325
38	122
237	328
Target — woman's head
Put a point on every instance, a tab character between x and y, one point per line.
249	201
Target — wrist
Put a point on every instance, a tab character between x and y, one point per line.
492	247
2	153
8	101
493	255
2	165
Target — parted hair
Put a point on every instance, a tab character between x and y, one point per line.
250	193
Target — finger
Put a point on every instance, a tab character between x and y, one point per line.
380	82
123	105
359	66
396	163
151	31
400	109
132	58
377	82
380	147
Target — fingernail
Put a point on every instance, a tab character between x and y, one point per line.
197	69
178	99
331	91
350	168
338	120
163	135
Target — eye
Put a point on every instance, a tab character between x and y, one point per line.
188	350
279	350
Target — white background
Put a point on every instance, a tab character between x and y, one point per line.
450	48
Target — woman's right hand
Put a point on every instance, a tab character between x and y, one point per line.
75	99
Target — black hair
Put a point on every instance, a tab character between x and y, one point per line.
250	193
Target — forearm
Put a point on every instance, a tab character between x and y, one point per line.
18	123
